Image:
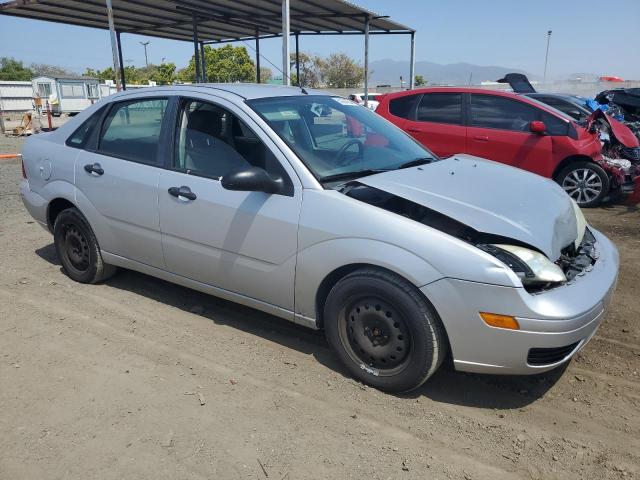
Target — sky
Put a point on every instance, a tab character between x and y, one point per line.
589	36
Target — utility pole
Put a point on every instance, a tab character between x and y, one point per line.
146	59
546	58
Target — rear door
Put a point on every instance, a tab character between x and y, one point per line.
438	123
498	129
117	180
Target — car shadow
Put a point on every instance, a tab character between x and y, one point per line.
446	386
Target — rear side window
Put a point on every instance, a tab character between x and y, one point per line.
82	136
490	111
440	108
131	130
402	106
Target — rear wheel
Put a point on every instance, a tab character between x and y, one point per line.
383	330
77	248
586	182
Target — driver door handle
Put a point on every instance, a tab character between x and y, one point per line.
481	138
94	168
182	192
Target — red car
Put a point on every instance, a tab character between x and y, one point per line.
507	128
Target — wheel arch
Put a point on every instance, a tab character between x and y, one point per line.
54	208
570	159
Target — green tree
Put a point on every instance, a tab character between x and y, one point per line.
224	64
44	69
12	69
265	74
420	81
311	70
341	71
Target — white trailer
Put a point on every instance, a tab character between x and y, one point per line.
67	94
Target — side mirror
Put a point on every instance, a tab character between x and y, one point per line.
537	127
252	179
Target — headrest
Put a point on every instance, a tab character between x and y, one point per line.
205	121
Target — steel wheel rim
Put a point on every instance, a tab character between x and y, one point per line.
76	249
375	335
583	185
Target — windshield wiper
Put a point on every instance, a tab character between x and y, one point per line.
355	174
416	162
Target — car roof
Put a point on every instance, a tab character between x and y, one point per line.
247	91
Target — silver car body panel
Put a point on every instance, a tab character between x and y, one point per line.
273	252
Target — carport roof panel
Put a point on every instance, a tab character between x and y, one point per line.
218	20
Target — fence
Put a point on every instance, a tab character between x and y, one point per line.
16	96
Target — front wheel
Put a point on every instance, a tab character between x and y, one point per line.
586	182
383	330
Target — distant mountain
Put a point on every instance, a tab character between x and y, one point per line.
389	71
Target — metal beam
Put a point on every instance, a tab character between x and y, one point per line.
196	56
297	59
286	66
257	55
114	44
412	62
122	73
366	61
203	60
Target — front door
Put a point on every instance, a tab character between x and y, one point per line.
242	242
499	130
117	181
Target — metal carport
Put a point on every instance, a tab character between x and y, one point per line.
217	21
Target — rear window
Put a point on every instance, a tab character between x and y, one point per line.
132	130
440	108
81	137
402	106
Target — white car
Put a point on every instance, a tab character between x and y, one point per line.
373	101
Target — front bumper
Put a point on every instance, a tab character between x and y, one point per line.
562	320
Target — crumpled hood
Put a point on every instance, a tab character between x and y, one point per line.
489	197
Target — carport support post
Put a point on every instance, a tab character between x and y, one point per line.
366	61
196	55
204	63
286	32
412	62
114	44
122	75
297	59
257	55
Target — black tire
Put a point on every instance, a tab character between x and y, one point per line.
586	182
383	330
78	249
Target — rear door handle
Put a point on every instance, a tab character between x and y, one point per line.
481	138
94	168
182	192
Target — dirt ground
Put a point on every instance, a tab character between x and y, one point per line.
138	378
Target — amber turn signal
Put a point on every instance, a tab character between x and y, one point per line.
500	321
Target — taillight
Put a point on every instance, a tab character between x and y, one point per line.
24	172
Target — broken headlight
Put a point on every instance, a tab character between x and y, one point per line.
532	267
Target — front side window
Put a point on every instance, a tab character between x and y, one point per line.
335	137
440	108
491	111
212	142
132	130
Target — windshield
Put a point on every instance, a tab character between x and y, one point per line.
335	137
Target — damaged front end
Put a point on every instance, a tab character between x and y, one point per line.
535	270
620	153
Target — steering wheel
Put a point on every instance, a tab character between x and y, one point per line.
354	141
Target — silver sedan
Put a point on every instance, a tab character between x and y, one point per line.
308	207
